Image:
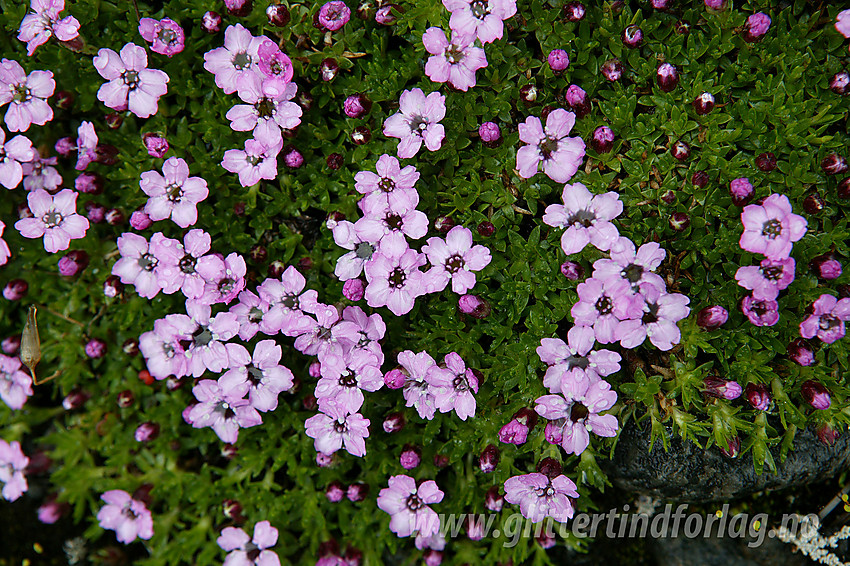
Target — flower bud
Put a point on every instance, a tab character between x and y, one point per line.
292	158
156	145
576	100
353	289
335	161
722	388
95	212
528	93
516	431
572	270
147	432
549	467
114	217
680	150
715	4
826	267
324	460
361	135
357	491
394	422
15	290
490	134
833	164
668	197
278	15
741	191
333	15
602	140
441	461
827	434
493	500
335	491
757	396
756	26
410	457
73	262
231	509
474	306
544	540
304	99
713	317
357	105
632	37
667	77
90	183
443	224
106	154
813	203
211	22
229	451
126	399
574	11
612	70
276	269
766	161
558	60
815	394
679	221
844	189
238	8
63	100
305	264
489	459
113	120
394	379
662	4
65	146
113	287
432	557
130	347
385	16
258	253
704	103
700	179
329	69
11	345
96	348
840	83
75	399
51	510
310	402
733	449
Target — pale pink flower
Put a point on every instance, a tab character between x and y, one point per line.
40	173
842	23
455	386
15	384
271	110
257	161
539	496
246	551
128	517
86	145
408	504
55	218
586	217
43	21
770	228
480	18
561	155
454	62
12	153
455	259
827	319
165	36
337	427
174	193
394	278
417	121
4	247
131	84
235	61
26	95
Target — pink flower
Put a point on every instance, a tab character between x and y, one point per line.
247	551
221	406
842	23
827	320
333	15
408	504
768	278
364	332
4	247
419	391
173	194
165	35
586	217
604	305
636	267
390	187
13	465
131	84
394	278
661	312
39	173
579	404
455	259
86	145
319	339
761	312
258	161
138	265
344	380
288	302
178	263
771	227
235	61
276	68
337	427
575	358
43	21
224	278
161	348
15	384
561	155
128	517
455	62
362	240
55	218
266	111
454	386
540	497
385	224
417	122
27	95
12	153
479	18
265	376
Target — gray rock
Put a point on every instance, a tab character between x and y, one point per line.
714	551
688	474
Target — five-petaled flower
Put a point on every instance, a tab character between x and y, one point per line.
408	504
131	84
417	121
128	517
43	21
560	154
54	217
174	193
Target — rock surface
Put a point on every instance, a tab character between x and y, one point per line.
688	474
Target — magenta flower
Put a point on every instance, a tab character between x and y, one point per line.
390	187
12	153
43	21
173	194
258	161
603	305
13	465
138	265
4	247
221	406
131	84
26	96
455	259
165	36
768	278
586	217
237	60
661	312
408	504
394	277
479	18
761	312
455	386
276	68
561	155
337	427
417	122
578	407
86	145
178	263
539	496
454	62
55	218
419	391
575	358
827	320
771	227
247	551
15	384
128	517
266	112
40	173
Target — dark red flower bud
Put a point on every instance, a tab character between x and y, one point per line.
126	399
844	189
813	203
328	69
827	434
766	161
131	347
64	100
549	467
361	135
733	449
443	224
113	287
258	253
667	77
357	491
11	345
840	83
410	457
239	8
704	103
441	460
276	269
713	317
335	491
529	93
493	499
758	396
335	161
278	15
113	120
680	150
632	37
669	197
602	140
815	394
114	217
833	164
474	306
679	221
574	11
211	22
489	459
15	290
75	399
394	422
612	70
486	229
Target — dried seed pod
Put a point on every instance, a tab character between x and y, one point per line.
30	343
